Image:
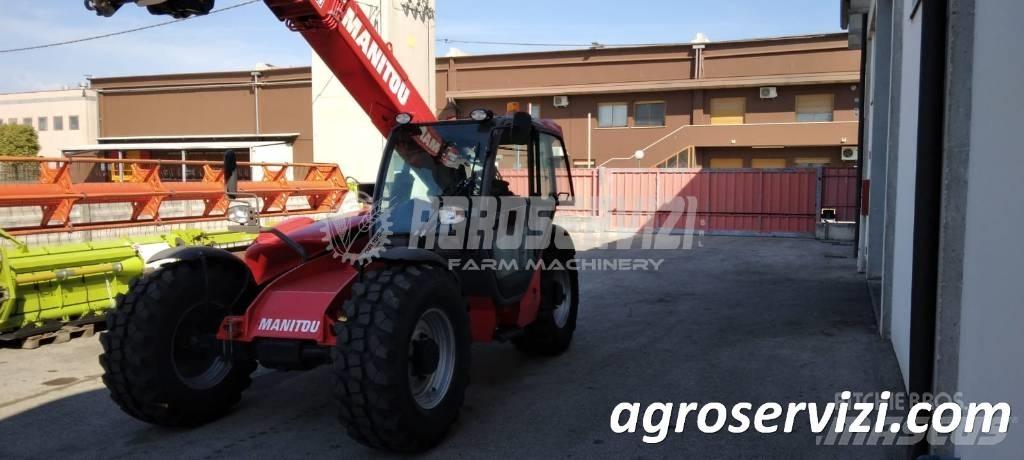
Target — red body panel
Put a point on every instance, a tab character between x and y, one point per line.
485	317
302	304
269	257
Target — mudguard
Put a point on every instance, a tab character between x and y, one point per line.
403	254
192	253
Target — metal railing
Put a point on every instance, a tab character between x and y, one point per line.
59	185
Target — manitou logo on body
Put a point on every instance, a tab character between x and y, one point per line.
375	53
288	325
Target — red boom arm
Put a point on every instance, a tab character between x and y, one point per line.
346	40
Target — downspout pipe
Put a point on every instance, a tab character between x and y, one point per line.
927	202
256	96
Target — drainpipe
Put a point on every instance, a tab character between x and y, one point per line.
927	202
590	131
256	96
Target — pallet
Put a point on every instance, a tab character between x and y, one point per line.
64	334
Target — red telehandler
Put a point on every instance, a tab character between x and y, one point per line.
396	322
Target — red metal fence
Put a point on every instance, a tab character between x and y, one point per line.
839	192
768	201
584	181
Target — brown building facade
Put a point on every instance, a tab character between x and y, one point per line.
778	102
265	103
766	103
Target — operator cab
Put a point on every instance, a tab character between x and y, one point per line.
440	189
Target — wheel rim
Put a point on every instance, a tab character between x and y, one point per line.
431	358
197	355
562	309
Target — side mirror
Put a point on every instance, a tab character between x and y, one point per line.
522	126
230	174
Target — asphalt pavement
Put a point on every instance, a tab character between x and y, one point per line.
734	319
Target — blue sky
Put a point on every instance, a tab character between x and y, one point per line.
247	36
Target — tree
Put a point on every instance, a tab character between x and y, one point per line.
18	140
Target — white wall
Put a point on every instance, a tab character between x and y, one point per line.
903	253
992	312
50	104
271	153
342	133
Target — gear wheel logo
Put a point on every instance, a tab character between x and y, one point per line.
342	233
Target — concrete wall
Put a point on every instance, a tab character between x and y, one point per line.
51	104
876	135
342	133
905	179
992	314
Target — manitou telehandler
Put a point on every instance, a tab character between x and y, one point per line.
391	299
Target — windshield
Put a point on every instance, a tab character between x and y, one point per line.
431	161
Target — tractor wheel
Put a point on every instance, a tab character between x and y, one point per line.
162	361
401	363
552	332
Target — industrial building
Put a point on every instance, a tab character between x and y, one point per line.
759	103
61	117
764	103
940	237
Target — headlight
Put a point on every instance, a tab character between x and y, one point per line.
403	118
241	214
481	114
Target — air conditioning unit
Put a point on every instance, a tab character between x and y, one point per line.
561	101
769	92
849	153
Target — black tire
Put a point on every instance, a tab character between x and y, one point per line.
551	334
372	359
162	334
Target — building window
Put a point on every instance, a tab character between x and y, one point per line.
728	110
41	124
649	114
58	123
768	163
811	162
814	107
726	163
611	115
12	121
26	121
535	111
73	123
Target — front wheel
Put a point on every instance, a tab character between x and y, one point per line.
551	333
401	363
162	361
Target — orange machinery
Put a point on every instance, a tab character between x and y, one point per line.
323	185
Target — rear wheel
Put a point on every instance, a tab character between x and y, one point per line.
401	363
162	361
551	333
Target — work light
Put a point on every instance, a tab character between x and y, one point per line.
481	114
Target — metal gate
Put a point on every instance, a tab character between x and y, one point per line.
724	201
